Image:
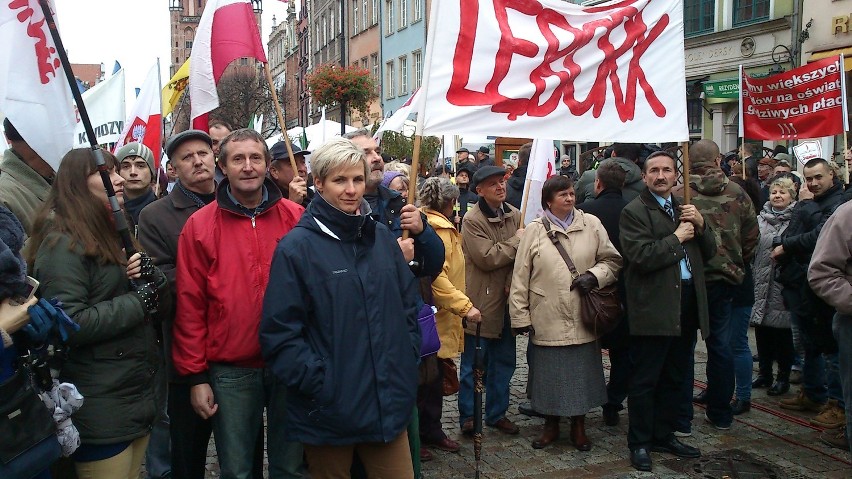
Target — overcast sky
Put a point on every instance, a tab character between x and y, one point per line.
133	32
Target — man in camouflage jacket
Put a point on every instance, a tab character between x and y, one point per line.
730	214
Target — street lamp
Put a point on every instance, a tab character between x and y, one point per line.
778	57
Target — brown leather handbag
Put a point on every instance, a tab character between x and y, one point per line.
601	309
450	384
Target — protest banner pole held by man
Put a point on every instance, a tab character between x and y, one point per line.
118	214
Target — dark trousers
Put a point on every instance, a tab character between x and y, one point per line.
430	403
190	435
720	357
660	366
774	345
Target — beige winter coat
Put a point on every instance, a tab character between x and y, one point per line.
541	281
489	243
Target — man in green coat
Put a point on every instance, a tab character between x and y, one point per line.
25	179
665	245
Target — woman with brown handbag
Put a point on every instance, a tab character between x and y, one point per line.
438	197
545	301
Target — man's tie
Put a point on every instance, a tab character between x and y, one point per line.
670	210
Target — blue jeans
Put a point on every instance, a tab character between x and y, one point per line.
743	362
498	357
158	457
241	394
720	359
842	328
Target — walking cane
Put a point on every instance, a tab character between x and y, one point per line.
478	389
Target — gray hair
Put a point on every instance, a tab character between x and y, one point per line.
355	134
337	153
437	193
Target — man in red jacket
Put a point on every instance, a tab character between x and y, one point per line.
224	255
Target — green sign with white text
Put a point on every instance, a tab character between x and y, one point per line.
722	89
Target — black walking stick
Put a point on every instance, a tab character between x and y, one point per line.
478	389
118	215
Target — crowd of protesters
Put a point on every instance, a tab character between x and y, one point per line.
278	293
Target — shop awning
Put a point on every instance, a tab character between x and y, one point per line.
847	56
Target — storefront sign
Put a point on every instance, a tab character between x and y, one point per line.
722	89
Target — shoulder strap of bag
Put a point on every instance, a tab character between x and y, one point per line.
552	235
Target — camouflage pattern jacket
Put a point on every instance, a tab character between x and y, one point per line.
729	212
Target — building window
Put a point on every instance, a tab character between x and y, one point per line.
364	63
418	7
403	75
374	12
698	16
364	15
750	11
356	19
374	64
403	14
390	80
418	68
324	31
389	19
332	27
188	44
694	114
243	61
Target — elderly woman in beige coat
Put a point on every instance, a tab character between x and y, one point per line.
568	377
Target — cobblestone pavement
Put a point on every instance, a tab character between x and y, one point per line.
783	440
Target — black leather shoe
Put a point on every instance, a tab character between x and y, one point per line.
679	449
738	407
640	459
700	398
527	410
778	389
762	382
610	414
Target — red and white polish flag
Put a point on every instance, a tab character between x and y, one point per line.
34	92
227	31
144	124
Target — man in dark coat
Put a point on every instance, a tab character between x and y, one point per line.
516	182
467	198
665	245
607	206
812	315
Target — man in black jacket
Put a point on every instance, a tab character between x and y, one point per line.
607	206
293	184
812	315
515	185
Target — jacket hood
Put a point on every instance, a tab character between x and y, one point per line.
437	219
708	180
325	219
634	173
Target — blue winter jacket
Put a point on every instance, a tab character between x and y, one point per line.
339	328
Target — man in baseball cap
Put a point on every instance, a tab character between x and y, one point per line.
293	185
136	166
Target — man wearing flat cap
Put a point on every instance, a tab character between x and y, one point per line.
160	223
490	237
466	161
293	185
483	158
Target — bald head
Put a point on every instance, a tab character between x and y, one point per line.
703	152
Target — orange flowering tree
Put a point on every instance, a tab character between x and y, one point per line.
331	84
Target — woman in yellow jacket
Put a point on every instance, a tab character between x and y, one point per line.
437	198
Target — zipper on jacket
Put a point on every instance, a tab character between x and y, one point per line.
252	223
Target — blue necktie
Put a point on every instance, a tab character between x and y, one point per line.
670	210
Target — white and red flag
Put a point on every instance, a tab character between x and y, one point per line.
398	119
144	124
549	68
34	92
539	169
805	102
227	31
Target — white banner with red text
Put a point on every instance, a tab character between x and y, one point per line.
548	68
